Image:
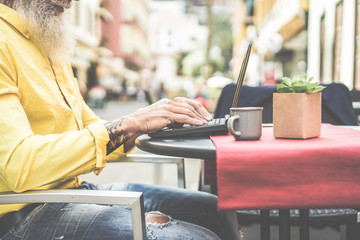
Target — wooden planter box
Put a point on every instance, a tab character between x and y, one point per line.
297	115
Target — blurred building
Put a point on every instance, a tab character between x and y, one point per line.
85	17
173	33
279	31
320	38
334	41
126	35
240	37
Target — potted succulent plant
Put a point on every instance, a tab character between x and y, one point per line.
297	108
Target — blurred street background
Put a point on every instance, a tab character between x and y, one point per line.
130	50
131	53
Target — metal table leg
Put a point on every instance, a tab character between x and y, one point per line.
304	224
284	224
265	224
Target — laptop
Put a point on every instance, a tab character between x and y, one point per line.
216	126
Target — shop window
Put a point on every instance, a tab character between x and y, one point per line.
337	42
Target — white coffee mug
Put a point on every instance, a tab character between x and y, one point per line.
245	123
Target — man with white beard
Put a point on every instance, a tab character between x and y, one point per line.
49	136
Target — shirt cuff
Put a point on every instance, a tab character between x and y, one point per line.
101	136
118	154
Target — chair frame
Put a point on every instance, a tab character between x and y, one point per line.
134	200
159	159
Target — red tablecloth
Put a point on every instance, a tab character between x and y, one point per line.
271	173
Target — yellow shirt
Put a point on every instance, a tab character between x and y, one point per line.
48	135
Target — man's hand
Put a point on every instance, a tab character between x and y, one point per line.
155	117
168	113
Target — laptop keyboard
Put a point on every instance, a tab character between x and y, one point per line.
216	126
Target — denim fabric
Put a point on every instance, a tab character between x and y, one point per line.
192	215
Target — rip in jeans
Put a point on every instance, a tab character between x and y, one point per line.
157	219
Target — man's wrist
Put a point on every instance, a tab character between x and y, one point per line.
117	135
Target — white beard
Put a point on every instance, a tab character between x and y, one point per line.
51	32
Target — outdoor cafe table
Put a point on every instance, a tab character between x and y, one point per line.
322	172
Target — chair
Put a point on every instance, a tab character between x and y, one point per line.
260	96
337	106
355	97
336	102
336	109
132	199
158	159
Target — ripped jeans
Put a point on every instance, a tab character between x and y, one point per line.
188	214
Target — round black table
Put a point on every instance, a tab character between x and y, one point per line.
189	147
201	147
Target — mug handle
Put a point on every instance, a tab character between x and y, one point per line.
230	125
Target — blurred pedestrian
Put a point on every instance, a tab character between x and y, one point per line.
161	91
97	96
124	91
